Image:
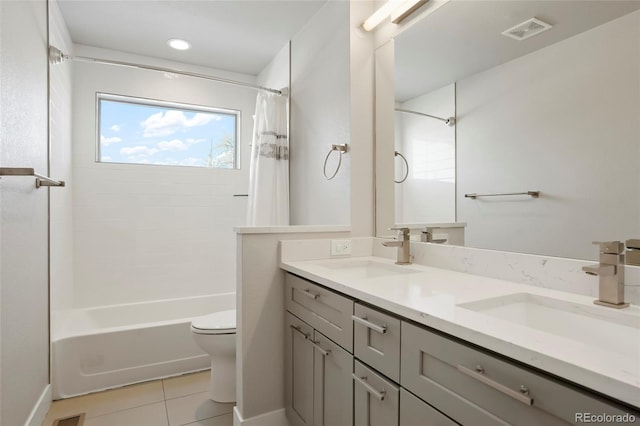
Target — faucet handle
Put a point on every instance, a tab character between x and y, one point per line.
610	247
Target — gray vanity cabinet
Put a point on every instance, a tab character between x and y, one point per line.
475	388
333	389
376	340
319	386
416	412
376	399
326	311
299	360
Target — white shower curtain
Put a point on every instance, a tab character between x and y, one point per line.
269	172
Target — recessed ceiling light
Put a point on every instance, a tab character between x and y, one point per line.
179	44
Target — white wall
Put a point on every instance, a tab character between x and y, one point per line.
320	117
61	210
276	74
428	195
153	232
260	351
24	304
562	120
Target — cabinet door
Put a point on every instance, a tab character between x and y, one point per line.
298	371
376	399
416	412
333	387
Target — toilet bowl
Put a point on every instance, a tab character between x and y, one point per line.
216	335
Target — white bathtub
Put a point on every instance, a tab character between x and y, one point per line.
109	346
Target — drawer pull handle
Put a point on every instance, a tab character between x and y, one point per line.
379	395
375	327
299	330
308	293
316	344
519	395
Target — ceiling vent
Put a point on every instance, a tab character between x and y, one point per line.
527	29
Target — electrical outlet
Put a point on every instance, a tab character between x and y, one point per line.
340	247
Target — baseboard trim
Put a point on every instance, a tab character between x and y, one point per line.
39	412
273	418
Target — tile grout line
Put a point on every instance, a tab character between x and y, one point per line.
166	409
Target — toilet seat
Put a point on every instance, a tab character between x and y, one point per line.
223	322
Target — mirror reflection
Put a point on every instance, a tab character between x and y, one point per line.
552	105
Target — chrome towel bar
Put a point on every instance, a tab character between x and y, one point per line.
28	171
534	194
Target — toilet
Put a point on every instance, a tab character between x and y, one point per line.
216	335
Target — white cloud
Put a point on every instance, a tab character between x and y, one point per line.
108	141
106	158
116	128
165	124
173	145
192	141
140	150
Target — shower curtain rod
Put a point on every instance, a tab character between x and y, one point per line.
448	121
56	56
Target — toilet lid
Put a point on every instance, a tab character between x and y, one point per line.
223	322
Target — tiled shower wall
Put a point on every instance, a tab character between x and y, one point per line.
144	232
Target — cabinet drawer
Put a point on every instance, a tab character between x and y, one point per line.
324	310
473	387
416	412
375	399
376	340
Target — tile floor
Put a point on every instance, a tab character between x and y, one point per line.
176	401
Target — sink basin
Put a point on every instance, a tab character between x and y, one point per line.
366	268
614	330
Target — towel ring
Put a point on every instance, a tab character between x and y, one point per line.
406	163
341	148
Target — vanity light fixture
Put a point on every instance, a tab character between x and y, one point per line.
405	10
399	10
380	15
179	44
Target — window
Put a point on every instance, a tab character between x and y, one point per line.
141	131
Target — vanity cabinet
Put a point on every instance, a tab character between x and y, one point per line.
326	311
476	388
376	340
318	371
376	399
416	412
349	363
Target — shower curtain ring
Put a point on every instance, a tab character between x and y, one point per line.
341	148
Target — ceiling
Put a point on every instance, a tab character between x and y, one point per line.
464	37
235	35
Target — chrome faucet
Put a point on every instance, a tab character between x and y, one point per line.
610	272
403	244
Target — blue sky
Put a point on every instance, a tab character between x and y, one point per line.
143	134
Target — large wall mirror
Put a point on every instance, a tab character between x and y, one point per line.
555	110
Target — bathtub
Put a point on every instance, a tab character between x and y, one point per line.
104	347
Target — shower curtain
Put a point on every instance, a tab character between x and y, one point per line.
269	170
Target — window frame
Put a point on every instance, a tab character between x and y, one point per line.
167	104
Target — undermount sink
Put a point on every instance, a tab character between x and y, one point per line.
615	330
366	268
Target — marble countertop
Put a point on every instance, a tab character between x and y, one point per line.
431	296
